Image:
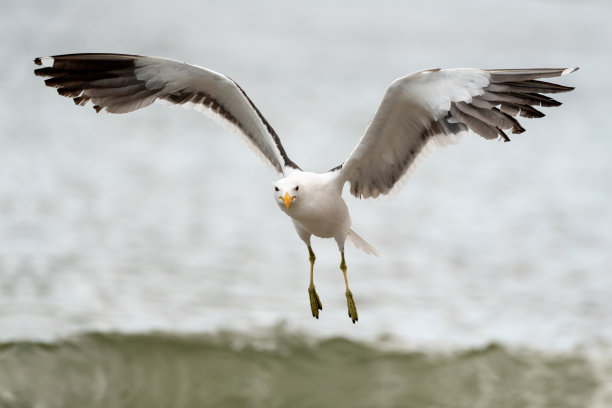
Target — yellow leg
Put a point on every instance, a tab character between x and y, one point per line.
352	309
315	302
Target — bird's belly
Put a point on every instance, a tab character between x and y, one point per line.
319	228
329	222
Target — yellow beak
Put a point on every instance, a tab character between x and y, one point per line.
287	199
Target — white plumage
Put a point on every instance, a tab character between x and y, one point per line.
425	109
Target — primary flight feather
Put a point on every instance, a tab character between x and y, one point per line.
428	108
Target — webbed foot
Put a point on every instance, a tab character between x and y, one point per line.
352	309
315	302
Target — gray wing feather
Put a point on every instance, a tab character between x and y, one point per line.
435	105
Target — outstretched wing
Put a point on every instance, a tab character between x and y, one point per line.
122	83
437	107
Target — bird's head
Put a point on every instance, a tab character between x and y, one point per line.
286	193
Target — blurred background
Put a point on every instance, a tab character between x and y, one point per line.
143	261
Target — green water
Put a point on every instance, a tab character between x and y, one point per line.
282	370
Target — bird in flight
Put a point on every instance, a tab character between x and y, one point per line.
425	109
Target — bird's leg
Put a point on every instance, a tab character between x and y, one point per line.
315	302
352	309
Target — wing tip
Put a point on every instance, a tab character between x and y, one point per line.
569	70
44	61
502	135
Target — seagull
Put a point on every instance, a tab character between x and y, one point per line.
418	112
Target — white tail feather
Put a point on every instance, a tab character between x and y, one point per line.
360	243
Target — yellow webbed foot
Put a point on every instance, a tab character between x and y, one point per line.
352	309
315	302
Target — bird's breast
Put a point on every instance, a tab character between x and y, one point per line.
324	218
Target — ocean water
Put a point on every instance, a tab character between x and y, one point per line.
282	370
143	261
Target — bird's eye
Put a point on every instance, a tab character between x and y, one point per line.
276	188
296	188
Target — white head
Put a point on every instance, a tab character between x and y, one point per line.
286	193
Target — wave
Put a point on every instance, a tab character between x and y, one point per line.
283	370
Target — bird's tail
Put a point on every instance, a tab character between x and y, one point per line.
360	243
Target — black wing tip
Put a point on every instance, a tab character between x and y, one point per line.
44	72
98	108
503	135
80	100
45	62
